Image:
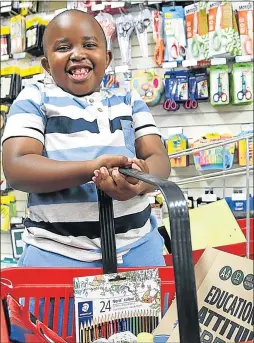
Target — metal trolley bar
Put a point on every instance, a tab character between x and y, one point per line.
181	250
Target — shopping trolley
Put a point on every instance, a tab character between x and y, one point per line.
57	284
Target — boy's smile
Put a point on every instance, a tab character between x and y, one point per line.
75	52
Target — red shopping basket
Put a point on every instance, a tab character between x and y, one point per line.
56	285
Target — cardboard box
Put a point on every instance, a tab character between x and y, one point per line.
225	300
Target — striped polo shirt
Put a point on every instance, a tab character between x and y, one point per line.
78	129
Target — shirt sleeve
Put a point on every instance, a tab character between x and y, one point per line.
26	118
143	121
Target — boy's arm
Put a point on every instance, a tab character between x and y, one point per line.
150	149
27	170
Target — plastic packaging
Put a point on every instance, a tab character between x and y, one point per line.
245	24
219	85
142	22
125	28
242	84
242	149
177	143
221	32
18	34
149	85
197	31
174	33
216	158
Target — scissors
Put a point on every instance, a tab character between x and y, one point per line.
170	104
158	30
177	50
191	103
219	39
197	47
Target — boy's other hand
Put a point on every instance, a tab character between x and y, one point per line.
118	186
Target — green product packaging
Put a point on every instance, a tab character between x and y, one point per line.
242	84
219	85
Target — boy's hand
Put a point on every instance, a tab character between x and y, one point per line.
118	186
111	161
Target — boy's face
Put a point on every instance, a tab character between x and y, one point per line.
76	53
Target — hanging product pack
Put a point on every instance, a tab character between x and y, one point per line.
142	22
245	24
5	42
158	36
174	33
4	109
18	34
149	85
10	83
221	32
125	29
242	83
35	28
219	85
197	31
170	103
242	149
217	158
177	143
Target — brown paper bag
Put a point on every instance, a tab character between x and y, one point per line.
225	300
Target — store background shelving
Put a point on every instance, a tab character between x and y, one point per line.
193	124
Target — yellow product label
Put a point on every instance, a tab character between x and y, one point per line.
31	71
10	70
5	217
5	30
16	19
168	15
4	108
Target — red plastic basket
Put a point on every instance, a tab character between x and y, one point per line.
53	284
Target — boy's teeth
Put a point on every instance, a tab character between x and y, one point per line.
80	71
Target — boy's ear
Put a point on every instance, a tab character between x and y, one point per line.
109	57
45	64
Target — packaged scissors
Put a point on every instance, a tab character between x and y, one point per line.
221	31
174	32
197	31
245	24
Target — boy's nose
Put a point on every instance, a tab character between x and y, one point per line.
78	54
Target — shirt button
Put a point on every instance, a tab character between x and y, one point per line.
100	109
91	101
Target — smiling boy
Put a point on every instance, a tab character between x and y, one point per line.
63	139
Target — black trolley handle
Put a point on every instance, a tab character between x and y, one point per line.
186	295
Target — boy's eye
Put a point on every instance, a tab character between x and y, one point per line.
90	45
62	48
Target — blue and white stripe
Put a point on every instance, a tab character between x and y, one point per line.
81	129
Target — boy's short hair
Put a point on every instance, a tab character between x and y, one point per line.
44	45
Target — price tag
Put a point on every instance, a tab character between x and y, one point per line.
5	58
19	56
238	196
189	63
247	58
209	197
122	69
175	130
117	4
218	61
169	65
98	7
247	127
